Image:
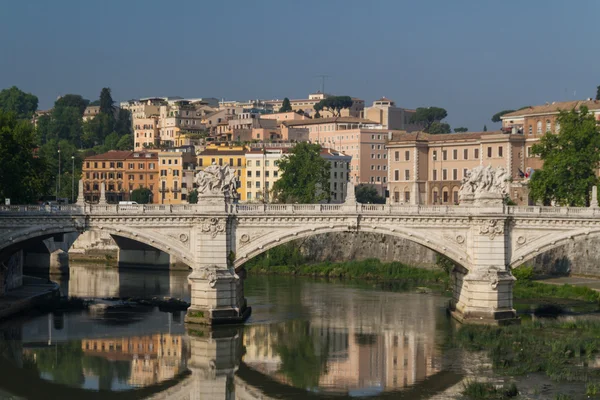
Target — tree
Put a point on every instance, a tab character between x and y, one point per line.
461	129
304	176
571	160
286	106
439	127
21	175
598	93
485	128
112	141
367	194
106	102
427	116
21	103
72	100
125	143
334	104
193	197
496	117
141	195
123	122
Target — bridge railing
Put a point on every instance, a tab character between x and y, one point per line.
42	209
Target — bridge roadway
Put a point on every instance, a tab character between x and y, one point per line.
216	238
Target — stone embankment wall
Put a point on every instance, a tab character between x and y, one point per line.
576	258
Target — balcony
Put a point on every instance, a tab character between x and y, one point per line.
163	190
176	190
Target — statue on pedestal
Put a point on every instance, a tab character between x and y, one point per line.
484	185
217	181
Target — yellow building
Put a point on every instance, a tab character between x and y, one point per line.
234	156
176	175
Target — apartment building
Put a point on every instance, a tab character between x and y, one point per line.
533	122
339	173
385	113
177	168
234	156
428	169
122	172
306	106
146	134
179	123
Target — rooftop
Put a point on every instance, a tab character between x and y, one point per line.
111	155
399	136
337	120
555	107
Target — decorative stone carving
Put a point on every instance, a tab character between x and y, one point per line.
183	237
491	228
521	240
245	238
484	185
350	196
217	180
460	239
213	227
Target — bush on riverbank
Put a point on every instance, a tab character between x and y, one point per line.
372	269
560	349
526	288
475	390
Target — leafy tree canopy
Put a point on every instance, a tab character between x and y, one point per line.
598	93
485	128
125	143
367	194
461	129
334	104
286	106
193	197
141	195
106	101
21	177
439	127
72	100
304	174
427	116
571	160
496	117
21	103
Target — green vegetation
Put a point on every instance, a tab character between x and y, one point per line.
526	288
461	129
368	194
571	160
303	175
439	127
141	195
598	93
560	349
334	104
193	197
485	128
16	101
475	390
21	175
496	117
286	106
427	116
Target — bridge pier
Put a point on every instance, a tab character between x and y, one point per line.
217	291
484	293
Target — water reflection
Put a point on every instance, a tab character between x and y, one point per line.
305	340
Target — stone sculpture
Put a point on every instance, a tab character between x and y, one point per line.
217	180
484	183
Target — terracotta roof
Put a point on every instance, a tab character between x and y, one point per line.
320	121
111	155
554	108
426	137
214	152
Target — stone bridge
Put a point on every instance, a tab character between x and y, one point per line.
216	237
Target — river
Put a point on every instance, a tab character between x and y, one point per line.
305	339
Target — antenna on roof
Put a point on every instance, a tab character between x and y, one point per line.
322	81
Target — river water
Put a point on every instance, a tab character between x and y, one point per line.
305	339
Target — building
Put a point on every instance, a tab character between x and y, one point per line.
339	173
428	169
234	156
306	106
180	123
121	172
146	133
177	169
533	122
91	111
385	113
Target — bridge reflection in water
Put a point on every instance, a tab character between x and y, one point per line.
342	342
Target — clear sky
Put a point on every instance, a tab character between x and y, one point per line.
473	58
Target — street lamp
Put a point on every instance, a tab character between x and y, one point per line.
72	179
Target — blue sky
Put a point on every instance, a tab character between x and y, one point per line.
473	58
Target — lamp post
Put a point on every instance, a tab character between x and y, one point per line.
72	179
59	180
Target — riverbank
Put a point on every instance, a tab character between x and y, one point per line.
34	291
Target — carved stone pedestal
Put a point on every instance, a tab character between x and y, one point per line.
483	297
217	297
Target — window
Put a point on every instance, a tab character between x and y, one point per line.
445	196
103	165
131	165
407	197
406	174
434	155
258	174
539	127
249	174
220	161
267	163
396	158
530	129
151	166
529	151
455	197
466	154
444	155
163	172
465	172
257	185
435	174
548	126
396	175
407	155
249	184
239	162
249	195
112	164
455	154
489	152
444	174
249	163
231	162
435	197
476	154
455	174
140	165
141	177
499	151
176	172
258	163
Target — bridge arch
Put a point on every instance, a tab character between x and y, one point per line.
538	246
15	240
433	242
